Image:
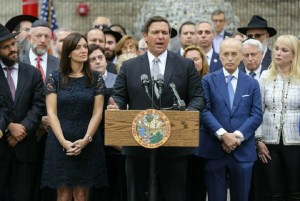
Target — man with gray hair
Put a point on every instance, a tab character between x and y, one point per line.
206	34
253	52
143	47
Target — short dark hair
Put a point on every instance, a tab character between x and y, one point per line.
218	12
93	47
186	23
155	19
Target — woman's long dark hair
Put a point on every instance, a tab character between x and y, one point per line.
70	44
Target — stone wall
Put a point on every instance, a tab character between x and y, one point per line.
283	15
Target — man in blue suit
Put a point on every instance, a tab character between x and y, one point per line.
232	114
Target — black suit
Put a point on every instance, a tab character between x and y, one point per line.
172	162
3	114
52	65
26	109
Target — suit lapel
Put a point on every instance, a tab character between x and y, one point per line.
221	86
144	65
239	91
21	82
4	84
169	69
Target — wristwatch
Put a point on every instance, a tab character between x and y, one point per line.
90	138
1	134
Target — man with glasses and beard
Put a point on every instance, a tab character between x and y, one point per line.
258	29
21	86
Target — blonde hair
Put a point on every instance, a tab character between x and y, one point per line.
122	58
205	66
121	43
293	43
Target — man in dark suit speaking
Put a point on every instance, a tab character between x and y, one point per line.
128	92
21	85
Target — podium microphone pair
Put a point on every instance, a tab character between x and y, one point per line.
160	84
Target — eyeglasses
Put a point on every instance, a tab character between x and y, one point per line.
97	26
6	47
130	47
258	35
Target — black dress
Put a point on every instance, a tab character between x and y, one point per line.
74	110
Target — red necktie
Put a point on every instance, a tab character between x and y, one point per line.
39	66
10	82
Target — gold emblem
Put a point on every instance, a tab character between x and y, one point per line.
151	128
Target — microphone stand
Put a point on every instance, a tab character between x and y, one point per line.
153	184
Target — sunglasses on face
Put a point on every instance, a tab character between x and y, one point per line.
97	26
258	35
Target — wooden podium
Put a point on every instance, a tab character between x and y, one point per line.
184	133
184	128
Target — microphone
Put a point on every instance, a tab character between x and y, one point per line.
160	83
145	82
180	103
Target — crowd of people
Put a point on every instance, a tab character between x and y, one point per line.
54	93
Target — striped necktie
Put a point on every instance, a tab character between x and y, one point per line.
10	81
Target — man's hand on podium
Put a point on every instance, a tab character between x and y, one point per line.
112	104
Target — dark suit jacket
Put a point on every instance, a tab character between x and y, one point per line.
245	115
227	34
111	67
3	114
52	63
129	90
215	63
27	109
265	64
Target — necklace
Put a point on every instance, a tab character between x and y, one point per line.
284	95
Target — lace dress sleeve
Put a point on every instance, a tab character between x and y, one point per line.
50	85
99	85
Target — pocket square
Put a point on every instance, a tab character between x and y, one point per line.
246	95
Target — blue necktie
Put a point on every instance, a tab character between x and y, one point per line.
252	74
230	89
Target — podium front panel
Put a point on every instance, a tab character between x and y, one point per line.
184	128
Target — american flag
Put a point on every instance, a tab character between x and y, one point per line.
48	13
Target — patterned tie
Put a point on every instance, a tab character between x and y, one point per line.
252	74
10	82
39	66
154	72
230	89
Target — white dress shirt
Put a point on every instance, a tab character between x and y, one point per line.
14	72
33	60
162	61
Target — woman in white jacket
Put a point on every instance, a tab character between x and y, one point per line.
278	139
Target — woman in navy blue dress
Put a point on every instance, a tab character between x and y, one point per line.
74	157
